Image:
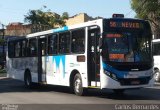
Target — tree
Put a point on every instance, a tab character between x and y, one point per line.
148	10
65	15
43	18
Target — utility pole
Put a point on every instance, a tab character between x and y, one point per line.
4	54
3	45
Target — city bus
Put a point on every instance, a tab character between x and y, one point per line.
113	53
156	56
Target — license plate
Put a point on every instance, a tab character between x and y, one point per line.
135	82
132	76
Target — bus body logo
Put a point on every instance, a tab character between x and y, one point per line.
65	28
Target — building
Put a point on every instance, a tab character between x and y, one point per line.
79	18
17	29
20	29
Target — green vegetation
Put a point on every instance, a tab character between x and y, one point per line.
45	17
148	10
2	72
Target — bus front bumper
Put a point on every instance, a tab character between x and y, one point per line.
109	83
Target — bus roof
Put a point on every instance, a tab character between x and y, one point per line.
65	28
126	19
81	25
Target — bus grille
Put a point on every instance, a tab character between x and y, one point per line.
134	81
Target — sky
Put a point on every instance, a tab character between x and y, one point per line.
14	10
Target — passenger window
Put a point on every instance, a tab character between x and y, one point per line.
78	41
156	50
11	49
53	44
24	44
17	49
64	42
43	46
32	47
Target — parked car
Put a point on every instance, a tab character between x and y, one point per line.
156	56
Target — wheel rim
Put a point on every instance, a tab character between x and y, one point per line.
77	85
157	76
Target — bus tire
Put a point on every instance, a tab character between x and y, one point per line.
119	91
77	85
28	80
157	75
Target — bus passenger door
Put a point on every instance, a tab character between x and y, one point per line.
93	57
42	60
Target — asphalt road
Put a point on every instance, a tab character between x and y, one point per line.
13	92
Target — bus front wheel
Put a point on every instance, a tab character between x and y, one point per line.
77	85
157	75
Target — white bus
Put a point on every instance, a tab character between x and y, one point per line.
110	53
156	56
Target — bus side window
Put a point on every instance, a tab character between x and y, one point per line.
32	47
78	41
24	48
64	42
17	49
11	50
53	44
156	48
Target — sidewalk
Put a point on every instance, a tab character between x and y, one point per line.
3	78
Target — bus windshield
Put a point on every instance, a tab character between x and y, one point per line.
127	46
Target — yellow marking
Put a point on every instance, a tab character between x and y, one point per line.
93	87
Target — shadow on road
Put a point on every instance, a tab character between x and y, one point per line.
139	94
10	85
133	94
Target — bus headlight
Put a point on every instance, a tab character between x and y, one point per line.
111	75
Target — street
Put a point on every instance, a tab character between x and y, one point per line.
13	92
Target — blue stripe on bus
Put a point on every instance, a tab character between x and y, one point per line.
65	28
119	74
59	59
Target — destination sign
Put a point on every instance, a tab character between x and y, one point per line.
116	56
113	35
126	24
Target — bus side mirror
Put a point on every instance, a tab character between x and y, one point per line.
100	43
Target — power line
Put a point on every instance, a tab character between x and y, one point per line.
127	14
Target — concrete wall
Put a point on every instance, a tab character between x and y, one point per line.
80	18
